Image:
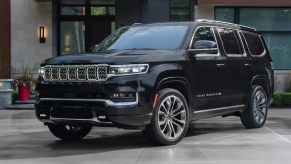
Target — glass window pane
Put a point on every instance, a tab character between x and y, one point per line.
98	10
179	3
224	14
72	10
146	37
266	19
230	41
103	2
203	33
111	10
279	47
254	42
72	37
180	14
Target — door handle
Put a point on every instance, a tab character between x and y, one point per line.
220	65
247	65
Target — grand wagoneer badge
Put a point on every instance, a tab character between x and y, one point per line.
209	94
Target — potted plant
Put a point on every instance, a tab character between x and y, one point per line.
24	82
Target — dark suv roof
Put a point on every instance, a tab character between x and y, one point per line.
204	22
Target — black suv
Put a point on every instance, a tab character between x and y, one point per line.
158	78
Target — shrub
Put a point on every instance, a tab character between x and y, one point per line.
14	96
282	99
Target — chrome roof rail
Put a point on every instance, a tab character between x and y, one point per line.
135	24
226	23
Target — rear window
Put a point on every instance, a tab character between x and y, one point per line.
254	43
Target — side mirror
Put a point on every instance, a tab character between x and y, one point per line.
93	48
204	47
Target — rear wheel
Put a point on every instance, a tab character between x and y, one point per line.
170	119
68	132
256	114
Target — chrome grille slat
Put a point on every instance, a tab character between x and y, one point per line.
102	73
76	73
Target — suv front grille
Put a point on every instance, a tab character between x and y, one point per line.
75	73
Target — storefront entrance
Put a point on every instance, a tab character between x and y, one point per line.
82	25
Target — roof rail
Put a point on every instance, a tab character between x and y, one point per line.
135	24
227	23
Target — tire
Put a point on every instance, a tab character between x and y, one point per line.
164	128
63	132
256	113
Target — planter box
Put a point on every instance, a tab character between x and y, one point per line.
5	92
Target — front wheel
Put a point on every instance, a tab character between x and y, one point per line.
256	114
170	119
68	132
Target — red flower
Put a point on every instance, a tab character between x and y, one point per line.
31	75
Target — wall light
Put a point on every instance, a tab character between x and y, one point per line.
41	35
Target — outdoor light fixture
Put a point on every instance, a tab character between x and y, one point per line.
41	35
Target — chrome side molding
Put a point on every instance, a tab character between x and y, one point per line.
217	109
108	102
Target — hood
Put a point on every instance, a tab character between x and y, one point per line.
106	57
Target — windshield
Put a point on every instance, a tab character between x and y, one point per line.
144	38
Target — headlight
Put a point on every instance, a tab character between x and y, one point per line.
41	71
128	69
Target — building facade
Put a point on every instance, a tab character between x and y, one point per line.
73	26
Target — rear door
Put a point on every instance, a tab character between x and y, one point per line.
209	74
239	66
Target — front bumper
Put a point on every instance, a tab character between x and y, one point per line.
127	115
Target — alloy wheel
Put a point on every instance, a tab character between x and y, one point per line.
172	117
260	107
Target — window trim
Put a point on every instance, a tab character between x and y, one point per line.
264	52
232	55
206	55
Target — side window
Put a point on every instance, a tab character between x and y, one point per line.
203	33
254	43
230	41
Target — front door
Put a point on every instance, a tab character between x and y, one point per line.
209	72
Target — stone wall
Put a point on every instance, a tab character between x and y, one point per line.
26	18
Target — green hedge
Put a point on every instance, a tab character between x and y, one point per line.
14	96
282	99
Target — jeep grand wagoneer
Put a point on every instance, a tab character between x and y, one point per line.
158	78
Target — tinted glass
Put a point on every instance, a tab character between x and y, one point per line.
180	15
224	14
230	41
72	37
145	37
254	42
72	10
180	3
266	19
203	33
279	48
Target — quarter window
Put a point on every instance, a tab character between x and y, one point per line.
255	44
230	42
203	33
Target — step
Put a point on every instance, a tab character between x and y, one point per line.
25	102
20	106
32	97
